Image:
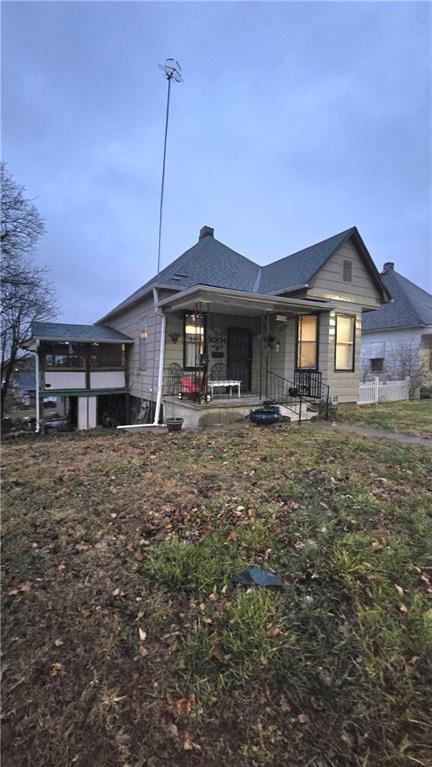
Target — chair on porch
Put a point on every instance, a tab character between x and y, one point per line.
175	372
218	372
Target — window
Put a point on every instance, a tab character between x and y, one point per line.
109	356
347	271
65	361
377	365
307	342
345	334
194	340
143	344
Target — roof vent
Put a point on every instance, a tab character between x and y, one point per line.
206	231
388	266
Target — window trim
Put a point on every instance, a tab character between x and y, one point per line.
204	318
353	318
316	367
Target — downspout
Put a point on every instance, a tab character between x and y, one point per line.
37	389
162	315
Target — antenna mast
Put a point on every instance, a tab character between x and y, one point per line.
172	71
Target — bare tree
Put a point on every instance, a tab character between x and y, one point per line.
27	293
405	361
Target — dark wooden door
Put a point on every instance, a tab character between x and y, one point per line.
239	356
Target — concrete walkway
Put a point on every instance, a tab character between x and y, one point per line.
368	431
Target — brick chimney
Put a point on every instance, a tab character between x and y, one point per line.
388	266
206	231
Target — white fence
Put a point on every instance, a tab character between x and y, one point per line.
372	392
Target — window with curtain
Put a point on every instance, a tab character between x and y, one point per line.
307	342
194	339
345	335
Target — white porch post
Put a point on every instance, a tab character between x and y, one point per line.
37	429
161	358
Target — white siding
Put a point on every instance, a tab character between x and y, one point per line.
328	282
86	413
390	345
106	379
142	383
64	379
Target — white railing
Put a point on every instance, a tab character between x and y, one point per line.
374	391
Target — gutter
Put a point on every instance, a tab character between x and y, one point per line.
289	290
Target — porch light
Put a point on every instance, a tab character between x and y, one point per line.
143	334
277	347
174	337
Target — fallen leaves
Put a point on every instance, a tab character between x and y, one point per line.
82	546
23	588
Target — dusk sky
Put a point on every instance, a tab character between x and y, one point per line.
295	121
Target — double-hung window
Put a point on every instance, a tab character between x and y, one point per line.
194	345
307	342
344	346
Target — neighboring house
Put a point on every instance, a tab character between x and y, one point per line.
397	338
214	325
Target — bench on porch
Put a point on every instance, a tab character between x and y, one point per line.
225	383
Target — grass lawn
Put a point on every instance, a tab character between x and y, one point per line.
125	644
409	417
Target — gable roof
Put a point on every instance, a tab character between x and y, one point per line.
300	267
411	306
60	331
210	262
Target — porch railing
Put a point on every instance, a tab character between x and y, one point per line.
309	383
292	394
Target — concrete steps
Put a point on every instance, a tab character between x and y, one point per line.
292	411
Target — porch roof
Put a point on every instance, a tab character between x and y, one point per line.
60	331
223	300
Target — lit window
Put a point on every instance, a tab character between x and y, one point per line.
347	271
307	342
345	333
194	340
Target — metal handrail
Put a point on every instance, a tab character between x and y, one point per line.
285	392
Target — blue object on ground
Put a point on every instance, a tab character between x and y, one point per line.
254	576
265	416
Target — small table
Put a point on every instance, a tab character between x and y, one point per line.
226	384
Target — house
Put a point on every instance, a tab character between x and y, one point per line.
214	333
397	338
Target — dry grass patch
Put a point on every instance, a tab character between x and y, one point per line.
126	644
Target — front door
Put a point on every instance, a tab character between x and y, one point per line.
239	356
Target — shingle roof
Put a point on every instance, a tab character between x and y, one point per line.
411	305
59	331
210	262
299	268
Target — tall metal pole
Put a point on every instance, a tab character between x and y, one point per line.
169	78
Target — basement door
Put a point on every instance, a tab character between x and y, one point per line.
239	356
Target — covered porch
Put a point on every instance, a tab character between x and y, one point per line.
227	351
